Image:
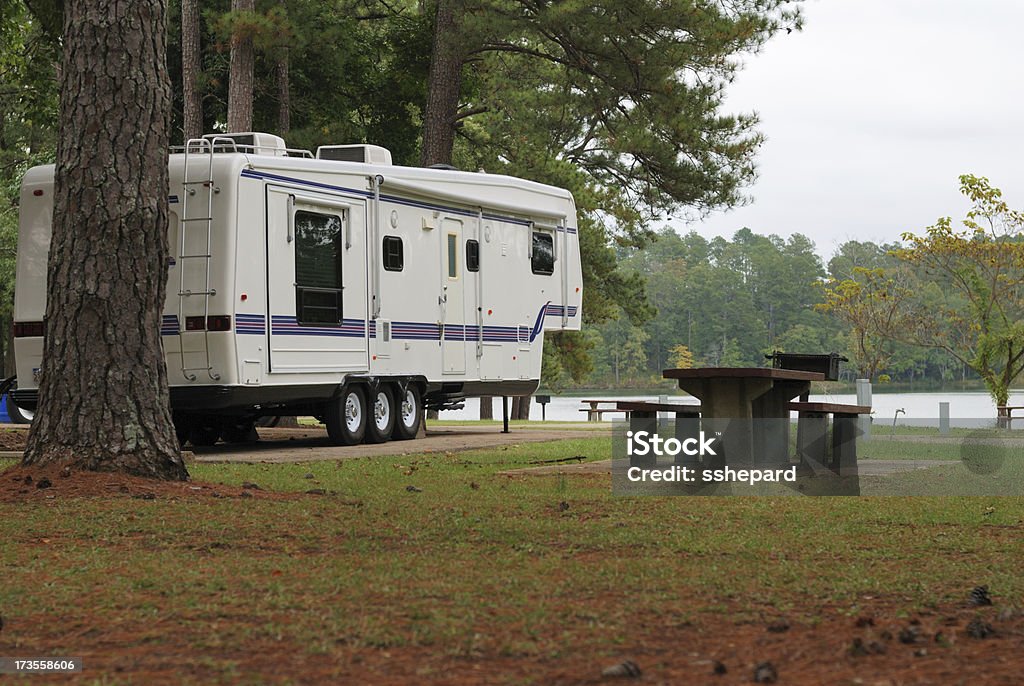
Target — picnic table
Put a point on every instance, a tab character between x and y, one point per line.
1005	415
597	408
749	406
636	409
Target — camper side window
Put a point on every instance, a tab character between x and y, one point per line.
317	268
394	254
472	255
543	261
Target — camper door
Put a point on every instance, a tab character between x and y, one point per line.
453	300
316	271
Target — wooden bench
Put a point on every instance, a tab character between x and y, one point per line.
596	411
643	416
812	435
646	409
1004	415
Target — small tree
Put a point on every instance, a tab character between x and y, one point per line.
960	290
872	304
681	357
981	320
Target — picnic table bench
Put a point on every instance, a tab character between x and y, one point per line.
643	416
812	435
637	408
597	409
1004	414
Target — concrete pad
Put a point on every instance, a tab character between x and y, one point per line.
312	444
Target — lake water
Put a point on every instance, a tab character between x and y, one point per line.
966	409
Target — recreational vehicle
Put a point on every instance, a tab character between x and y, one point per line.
334	285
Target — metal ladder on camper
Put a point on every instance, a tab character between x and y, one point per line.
189	225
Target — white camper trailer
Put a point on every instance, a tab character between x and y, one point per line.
335	285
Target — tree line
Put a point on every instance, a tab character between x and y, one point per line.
942	306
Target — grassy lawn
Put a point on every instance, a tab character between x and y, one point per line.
437	569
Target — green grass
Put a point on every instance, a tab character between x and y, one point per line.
476	563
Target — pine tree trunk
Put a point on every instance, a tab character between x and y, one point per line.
443	85
191	66
524	407
487	407
240	77
284	96
103	399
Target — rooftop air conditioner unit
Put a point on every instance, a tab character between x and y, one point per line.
367	154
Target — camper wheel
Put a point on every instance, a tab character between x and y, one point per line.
241	431
182	428
409	414
18	414
346	416
381	421
204	433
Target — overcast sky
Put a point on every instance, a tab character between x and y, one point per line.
873	111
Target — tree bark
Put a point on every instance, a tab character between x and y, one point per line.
191	67
103	399
240	76
524	407
487	407
444	83
284	97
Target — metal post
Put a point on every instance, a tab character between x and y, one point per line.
944	418
864	398
504	414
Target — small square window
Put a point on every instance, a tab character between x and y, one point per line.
453	256
472	255
543	261
394	254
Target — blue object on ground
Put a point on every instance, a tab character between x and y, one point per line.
4	417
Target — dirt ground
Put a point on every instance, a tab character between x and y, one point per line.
804	644
20	484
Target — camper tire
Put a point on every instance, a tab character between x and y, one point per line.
380	421
346	416
408	413
182	428
16	413
204	434
243	431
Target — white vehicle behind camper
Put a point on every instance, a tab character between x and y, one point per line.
337	286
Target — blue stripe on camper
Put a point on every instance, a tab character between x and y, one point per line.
539	324
415	331
255	324
556	310
287	325
267	176
169	325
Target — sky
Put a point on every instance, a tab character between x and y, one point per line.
871	114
